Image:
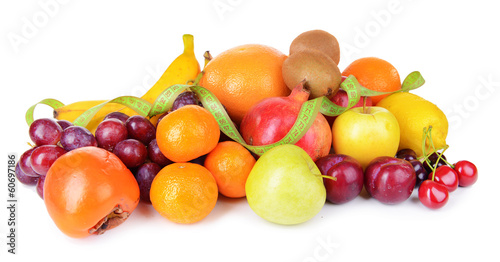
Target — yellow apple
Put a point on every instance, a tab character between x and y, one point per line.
366	133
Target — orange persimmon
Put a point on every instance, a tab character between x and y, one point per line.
88	191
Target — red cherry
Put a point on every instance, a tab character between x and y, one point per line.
432	194
467	173
446	176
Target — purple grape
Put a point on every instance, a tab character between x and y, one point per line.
131	152
144	176
25	163
23	178
45	131
117	115
156	155
406	154
185	98
75	137
420	171
64	124
109	133
39	186
43	157
140	128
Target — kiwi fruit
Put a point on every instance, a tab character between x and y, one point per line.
317	40
322	75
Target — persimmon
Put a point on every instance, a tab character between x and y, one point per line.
89	191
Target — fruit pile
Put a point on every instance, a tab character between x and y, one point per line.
287	132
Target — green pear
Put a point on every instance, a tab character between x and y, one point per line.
285	186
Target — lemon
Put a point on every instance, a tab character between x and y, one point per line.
414	114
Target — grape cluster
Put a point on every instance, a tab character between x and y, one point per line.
132	139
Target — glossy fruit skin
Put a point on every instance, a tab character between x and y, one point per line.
366	135
23	178
117	115
74	137
406	154
390	180
64	124
45	131
284	186
140	128
271	119
131	152
44	156
420	171
145	175
156	155
84	186
446	176
39	186
25	163
433	195
185	98
467	173
109	133
349	175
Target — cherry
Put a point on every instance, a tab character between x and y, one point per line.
433	159
432	194
446	176
467	173
420	171
406	154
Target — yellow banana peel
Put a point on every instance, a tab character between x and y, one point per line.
183	69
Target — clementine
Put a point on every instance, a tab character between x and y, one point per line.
184	192
242	76
375	74
187	133
230	163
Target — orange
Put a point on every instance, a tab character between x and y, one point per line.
89	191
184	192
375	74
242	76
187	133
230	163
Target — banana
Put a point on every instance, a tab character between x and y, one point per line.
183	69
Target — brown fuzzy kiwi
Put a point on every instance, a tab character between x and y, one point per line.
318	40
322	75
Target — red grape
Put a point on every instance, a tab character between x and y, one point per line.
109	133
43	157
45	131
23	178
64	124
117	115
25	163
131	152
144	176
156	155
39	186
75	137
140	128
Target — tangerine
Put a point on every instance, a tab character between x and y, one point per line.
242	76
89	191
184	192
375	74
187	133
230	163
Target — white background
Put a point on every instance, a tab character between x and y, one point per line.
82	50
